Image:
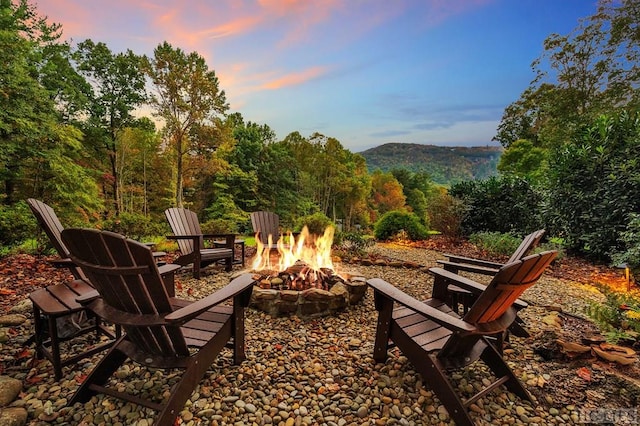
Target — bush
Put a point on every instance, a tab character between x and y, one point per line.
17	224
316	223
135	226
496	243
618	316
220	226
394	222
505	205
355	242
446	214
631	239
595	186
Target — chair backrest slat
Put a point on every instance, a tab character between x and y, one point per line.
50	224
265	224
507	285
184	222
125	274
528	243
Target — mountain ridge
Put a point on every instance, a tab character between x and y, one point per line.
445	164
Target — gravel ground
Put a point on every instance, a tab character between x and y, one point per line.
321	371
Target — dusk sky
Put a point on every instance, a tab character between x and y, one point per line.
366	72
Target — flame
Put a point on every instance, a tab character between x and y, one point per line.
312	250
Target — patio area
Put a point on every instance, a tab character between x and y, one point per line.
321	371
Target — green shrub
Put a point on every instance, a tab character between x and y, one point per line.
446	214
17	224
554	243
499	204
594	186
631	239
220	226
496	243
618	316
136	226
316	223
395	222
354	242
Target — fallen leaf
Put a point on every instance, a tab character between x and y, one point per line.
34	379
584	373
6	292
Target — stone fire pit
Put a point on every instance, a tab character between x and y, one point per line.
284	293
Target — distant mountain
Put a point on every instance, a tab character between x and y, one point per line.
445	164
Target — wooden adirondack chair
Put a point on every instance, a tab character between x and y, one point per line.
159	329
56	304
187	233
436	340
461	298
266	224
458	263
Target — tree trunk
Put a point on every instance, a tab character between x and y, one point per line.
179	172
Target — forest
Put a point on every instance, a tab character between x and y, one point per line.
71	135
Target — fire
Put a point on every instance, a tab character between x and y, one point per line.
314	251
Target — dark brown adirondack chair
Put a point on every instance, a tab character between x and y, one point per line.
461	298
56	304
191	241
436	340
266	224
159	329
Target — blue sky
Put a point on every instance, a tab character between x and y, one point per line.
366	72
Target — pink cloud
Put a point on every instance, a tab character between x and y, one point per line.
296	78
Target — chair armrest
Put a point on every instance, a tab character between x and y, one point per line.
184	237
87	297
404	299
229	239
218	236
169	268
454	267
460	281
63	263
468	260
466	284
235	287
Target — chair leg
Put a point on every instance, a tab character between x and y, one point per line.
434	373
196	270
496	363
383	329
189	380
38	322
55	347
113	359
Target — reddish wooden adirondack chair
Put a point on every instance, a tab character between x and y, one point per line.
159	329
436	340
191	241
464	299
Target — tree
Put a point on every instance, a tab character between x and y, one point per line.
579	76
187	93
27	110
523	159
387	194
117	89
